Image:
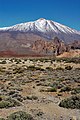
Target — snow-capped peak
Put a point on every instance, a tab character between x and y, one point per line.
45	27
41	25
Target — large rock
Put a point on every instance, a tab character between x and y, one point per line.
54	47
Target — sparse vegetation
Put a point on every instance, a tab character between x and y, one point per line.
2	119
75	90
53	89
35	68
59	68
49	68
18	70
20	115
65	89
32	97
72	102
3	62
69	60
68	67
9	102
39	83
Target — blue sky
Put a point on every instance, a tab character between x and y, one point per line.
66	12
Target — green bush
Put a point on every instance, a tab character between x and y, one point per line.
32	97
3	62
53	89
4	104
73	102
2	119
76	90
9	103
20	115
65	89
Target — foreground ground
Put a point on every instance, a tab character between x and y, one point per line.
37	86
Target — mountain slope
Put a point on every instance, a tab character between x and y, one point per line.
45	28
38	38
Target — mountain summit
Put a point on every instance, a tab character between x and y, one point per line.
45	28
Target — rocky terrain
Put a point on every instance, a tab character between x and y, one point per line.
55	47
37	88
39	71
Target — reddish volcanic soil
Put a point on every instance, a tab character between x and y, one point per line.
14	54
